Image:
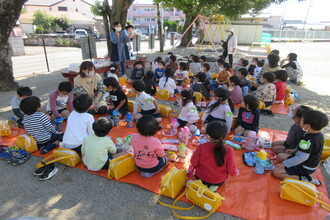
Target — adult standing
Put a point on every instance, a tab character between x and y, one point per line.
229	46
119	50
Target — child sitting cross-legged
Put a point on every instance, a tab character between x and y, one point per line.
79	124
248	115
58	101
150	83
267	91
138	72
189	114
181	74
167	82
159	72
117	98
113	71
306	158
281	77
243	82
22	92
146	103
149	153
97	149
201	84
223	77
195	66
295	133
213	161
236	94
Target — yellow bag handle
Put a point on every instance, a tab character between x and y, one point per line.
323	204
43	163
172	206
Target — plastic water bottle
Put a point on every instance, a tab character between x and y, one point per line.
182	152
129	120
259	169
115	117
58	123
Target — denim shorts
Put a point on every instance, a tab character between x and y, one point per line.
161	164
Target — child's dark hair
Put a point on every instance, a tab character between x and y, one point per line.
277	52
281	75
207	66
102	127
301	109
243	71
221	57
115	24
30	105
162	62
139	85
111	81
223	95
113	68
261	63
147	125
234	79
24	91
201	76
65	86
173	58
158	59
150	74
226	65
245	62
82	103
255	59
168	73
269	76
183	66
217	130
86	65
129	26
203	58
273	60
195	59
192	55
138	63
221	61
252	102
292	57
170	53
186	96
316	119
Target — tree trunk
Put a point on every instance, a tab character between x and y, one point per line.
119	11
9	13
160	30
188	36
106	10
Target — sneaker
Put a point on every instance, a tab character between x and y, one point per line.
48	173
313	181
41	170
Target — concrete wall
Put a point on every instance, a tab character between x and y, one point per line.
17	46
246	33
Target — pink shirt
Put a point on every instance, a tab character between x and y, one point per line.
236	95
147	150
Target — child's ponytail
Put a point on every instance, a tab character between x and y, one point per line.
219	152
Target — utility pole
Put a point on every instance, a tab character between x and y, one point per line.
309	7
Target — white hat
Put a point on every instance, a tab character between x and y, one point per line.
230	29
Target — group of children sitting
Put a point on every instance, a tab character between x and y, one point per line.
212	161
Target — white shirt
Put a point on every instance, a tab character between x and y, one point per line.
181	75
170	84
110	74
78	127
189	113
154	66
256	72
61	102
144	102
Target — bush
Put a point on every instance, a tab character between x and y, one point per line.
61	42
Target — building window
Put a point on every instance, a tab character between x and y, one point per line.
153	19
62	8
50	9
134	19
76	9
134	9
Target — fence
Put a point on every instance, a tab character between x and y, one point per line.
298	35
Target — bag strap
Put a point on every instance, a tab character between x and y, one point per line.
323	204
172	206
44	163
14	127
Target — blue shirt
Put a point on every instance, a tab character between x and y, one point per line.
121	43
159	73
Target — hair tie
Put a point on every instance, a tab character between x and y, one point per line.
112	68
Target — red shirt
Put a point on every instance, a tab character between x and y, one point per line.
206	168
280	90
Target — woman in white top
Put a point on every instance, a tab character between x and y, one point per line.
167	82
230	46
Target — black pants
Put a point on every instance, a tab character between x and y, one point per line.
230	56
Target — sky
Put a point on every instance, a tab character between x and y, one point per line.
319	10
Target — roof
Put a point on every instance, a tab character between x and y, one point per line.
74	17
43	2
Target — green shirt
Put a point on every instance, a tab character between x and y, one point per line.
95	151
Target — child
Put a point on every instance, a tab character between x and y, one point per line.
243	82
201	85
253	65
149	153
155	63
248	115
167	82
195	66
167	60
181	75
223	77
236	93
137	72
267	91
305	161
22	92
159	72
206	69
97	148
271	66
293	68
213	161
59	100
189	114
173	65
145	102
217	66
118	99
258	69
79	124
220	108
190	60
281	77
243	63
202	60
113	71
150	83
295	133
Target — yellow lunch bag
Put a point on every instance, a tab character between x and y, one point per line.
163	94
121	166
165	110
262	105
199	97
301	192
8	128
27	143
326	150
289	99
62	155
130	104
173	182
122	81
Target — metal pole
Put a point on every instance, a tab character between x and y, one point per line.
43	43
89	47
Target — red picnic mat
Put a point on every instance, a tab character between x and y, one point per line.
248	195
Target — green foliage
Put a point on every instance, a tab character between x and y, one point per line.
97	8
63	22
43	21
172	25
62	42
